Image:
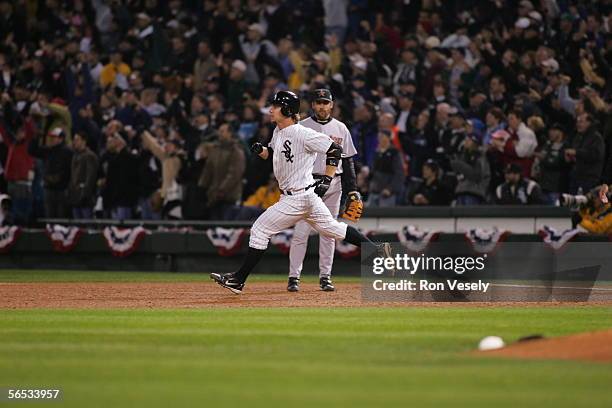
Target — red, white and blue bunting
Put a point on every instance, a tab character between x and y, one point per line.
282	240
346	250
416	240
555	239
123	241
8	237
63	238
485	241
226	240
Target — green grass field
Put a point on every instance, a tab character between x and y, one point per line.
362	357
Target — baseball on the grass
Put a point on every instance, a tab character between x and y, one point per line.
491	343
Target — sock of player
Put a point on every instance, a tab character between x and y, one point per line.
252	258
353	236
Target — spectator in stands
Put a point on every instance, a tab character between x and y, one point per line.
182	71
83	179
586	155
494	121
431	191
387	176
57	158
518	190
236	85
418	144
222	174
439	128
116	72
553	169
19	168
497	93
364	132
205	65
118	181
407	68
478	106
265	197
453	138
131	113
249	124
51	114
405	115
386	123
520	146
171	157
150	178
473	174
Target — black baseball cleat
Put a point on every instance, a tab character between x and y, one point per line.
293	285
326	284
384	250
228	281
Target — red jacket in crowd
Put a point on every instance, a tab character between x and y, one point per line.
18	161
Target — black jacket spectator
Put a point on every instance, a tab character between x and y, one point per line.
431	191
586	152
57	158
518	190
121	178
472	169
553	168
418	145
387	173
84	174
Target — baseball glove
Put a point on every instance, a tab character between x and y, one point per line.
354	206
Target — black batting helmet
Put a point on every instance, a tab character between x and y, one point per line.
288	101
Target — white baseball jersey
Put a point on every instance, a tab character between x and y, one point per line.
339	133
295	150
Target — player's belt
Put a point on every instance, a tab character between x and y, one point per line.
292	192
318	176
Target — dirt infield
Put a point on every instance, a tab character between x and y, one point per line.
94	295
595	346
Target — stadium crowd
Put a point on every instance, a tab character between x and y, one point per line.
146	109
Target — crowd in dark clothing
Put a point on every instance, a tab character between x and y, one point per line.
146	109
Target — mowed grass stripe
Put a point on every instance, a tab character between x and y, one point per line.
297	357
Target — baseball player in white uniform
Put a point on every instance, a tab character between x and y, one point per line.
322	121
293	150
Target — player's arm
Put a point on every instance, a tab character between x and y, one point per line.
333	156
348	176
262	151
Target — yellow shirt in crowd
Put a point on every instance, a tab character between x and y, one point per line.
110	71
263	197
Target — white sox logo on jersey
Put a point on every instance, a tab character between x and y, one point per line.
287	151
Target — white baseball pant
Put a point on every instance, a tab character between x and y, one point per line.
304	205
327	245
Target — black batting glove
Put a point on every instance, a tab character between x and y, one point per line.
257	148
322	185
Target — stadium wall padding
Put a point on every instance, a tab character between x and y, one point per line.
187	252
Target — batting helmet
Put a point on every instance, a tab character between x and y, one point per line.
288	101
